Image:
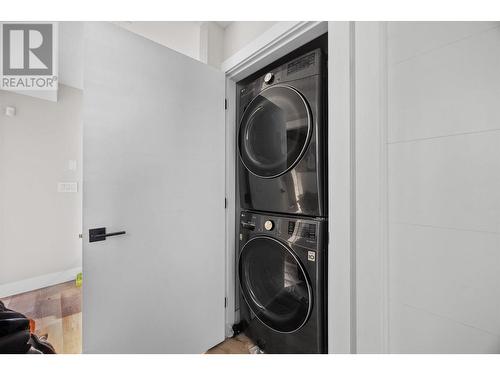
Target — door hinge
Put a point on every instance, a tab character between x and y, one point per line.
225	103
225	301
225	202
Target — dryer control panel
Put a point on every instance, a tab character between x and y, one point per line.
309	64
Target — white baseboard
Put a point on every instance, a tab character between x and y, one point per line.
38	282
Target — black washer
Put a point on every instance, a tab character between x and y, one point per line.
274	284
282	282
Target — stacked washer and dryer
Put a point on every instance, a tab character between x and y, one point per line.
282	183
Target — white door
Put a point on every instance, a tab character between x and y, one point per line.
153	167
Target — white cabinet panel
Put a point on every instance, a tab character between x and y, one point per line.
451	90
417	331
408	39
449	182
452	273
443	137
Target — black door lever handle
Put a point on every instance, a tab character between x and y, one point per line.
99	234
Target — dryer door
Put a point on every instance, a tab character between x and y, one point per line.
274	131
274	284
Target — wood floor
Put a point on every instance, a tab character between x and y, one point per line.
57	312
235	345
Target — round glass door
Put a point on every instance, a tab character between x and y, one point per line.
274	284
274	131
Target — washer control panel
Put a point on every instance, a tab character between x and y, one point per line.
301	230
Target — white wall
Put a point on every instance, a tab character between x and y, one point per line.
71	54
39	227
207	41
238	34
211	44
204	41
444	187
183	37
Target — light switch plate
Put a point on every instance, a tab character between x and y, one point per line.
10	111
67	187
72	165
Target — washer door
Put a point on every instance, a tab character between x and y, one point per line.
274	131
274	284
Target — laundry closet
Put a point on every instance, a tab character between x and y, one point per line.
282	203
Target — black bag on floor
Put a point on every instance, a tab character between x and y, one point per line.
15	336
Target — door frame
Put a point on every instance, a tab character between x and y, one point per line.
279	40
369	107
358	275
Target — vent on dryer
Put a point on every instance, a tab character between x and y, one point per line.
302	63
308	231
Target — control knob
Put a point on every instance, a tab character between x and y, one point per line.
268	78
269	225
